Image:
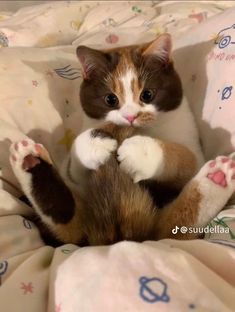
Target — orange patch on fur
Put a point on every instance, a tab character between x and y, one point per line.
145	118
114	81
180	163
71	232
43	153
183	211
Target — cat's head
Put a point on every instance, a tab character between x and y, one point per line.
130	85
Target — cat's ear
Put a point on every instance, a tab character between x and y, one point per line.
91	60
160	47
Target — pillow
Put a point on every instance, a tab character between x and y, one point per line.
205	59
61	22
44	25
39	98
125	23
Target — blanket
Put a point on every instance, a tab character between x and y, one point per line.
39	98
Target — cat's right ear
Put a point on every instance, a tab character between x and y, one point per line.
91	60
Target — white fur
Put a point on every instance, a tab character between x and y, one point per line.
72	170
130	109
141	157
116	117
214	197
93	152
24	177
128	94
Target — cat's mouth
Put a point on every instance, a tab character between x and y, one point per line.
143	119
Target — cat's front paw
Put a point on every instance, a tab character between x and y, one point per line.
141	157
93	148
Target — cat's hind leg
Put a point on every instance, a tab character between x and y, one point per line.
200	200
58	209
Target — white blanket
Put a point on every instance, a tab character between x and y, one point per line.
39	99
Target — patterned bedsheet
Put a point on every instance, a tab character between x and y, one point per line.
39	79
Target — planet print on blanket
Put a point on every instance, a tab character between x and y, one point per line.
226	93
3	269
153	289
225	37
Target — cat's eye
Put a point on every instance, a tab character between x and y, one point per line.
147	95
111	100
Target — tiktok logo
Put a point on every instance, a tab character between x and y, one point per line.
175	230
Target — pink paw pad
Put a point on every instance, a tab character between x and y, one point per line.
212	164
30	162
38	148
24	143
218	177
13	158
224	160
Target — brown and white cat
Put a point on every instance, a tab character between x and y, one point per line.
140	140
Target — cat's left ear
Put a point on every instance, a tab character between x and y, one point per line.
160	47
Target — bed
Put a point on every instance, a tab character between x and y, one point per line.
39	79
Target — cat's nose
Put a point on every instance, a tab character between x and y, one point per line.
130	118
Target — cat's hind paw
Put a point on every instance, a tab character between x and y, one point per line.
216	184
26	154
220	171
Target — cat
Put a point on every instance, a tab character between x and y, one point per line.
139	140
